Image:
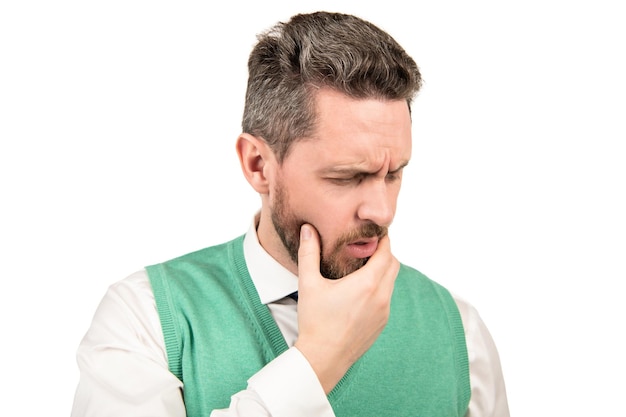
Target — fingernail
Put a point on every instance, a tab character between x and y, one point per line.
305	232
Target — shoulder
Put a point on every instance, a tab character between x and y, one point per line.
411	277
127	316
132	298
136	286
213	255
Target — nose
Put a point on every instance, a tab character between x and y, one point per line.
377	203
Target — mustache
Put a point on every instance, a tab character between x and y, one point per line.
366	231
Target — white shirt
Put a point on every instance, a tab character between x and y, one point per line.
124	368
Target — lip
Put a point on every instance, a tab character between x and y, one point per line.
362	248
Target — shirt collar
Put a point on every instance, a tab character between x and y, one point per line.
272	280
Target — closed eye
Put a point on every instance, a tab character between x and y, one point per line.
354	179
394	175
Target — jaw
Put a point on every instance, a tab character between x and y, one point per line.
272	243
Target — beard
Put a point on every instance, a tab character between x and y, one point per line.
333	265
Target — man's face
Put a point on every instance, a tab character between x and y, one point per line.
344	181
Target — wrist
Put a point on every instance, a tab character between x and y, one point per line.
328	364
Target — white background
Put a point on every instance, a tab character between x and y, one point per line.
117	126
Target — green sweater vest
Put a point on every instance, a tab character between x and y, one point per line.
218	334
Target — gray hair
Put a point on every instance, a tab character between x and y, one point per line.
293	60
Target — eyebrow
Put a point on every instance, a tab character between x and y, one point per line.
357	171
402	165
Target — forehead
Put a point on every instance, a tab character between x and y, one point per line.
357	131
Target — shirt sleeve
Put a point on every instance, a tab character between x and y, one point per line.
124	371
488	398
285	387
122	359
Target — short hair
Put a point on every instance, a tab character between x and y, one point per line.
293	60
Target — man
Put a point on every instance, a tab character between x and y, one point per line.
309	313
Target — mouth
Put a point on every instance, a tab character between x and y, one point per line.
362	248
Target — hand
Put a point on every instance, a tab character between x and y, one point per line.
339	320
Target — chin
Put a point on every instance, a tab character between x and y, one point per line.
331	269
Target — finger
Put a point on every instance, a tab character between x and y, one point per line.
392	266
383	263
382	255
309	251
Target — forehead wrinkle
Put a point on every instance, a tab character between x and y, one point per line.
367	158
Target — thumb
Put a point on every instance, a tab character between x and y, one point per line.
309	251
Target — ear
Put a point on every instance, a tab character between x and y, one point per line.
255	158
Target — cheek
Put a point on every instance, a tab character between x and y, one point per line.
316	202
332	223
331	213
326	217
